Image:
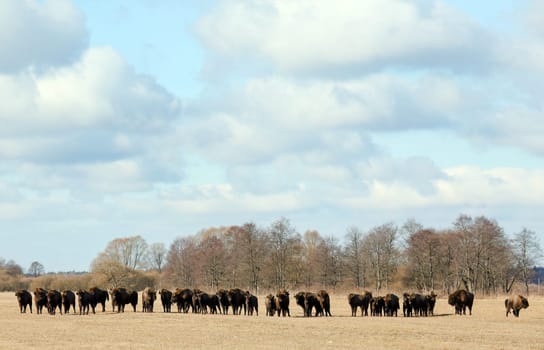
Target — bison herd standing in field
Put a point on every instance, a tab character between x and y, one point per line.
198	301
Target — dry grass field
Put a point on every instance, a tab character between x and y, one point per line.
487	328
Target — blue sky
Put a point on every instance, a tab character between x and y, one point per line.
163	118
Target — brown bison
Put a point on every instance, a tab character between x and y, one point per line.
204	302
431	301
213	304
100	297
54	300
377	306
406	305
122	296
68	299
40	299
308	301
461	299
359	301
237	299
325	302
223	296
149	295
252	304
270	304
183	298
515	303
166	300
391	305
282	302
85	300
24	298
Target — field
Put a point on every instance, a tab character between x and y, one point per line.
487	328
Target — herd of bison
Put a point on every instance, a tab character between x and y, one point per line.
197	301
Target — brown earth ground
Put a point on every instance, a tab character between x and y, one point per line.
487	328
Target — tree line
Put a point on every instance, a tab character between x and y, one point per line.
474	253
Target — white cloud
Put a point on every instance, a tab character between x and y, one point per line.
40	33
84	106
323	36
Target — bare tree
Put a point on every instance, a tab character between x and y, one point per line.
282	236
128	251
36	269
180	262
310	257
526	252
329	262
423	254
113	272
483	253
252	245
11	267
156	256
354	261
120	261
211	257
383	255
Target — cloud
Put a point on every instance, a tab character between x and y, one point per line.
418	173
324	38
95	108
40	34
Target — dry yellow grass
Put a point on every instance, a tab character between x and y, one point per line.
488	328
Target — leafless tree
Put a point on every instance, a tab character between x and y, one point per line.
483	253
282	237
156	256
526	252
252	243
354	260
180	262
128	251
36	269
211	257
423	254
379	246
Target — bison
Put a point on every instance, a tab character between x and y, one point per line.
122	296
325	302
166	300
54	300
515	303
40	299
204	301
24	298
406	305
85	299
183	298
213	304
68	299
237	299
282	302
391	305
461	299
377	306
252	304
431	301
270	304
359	301
223	296
100	297
308	301
149	295
419	304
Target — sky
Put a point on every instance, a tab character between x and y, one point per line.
162	118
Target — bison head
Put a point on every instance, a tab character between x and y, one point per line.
524	302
